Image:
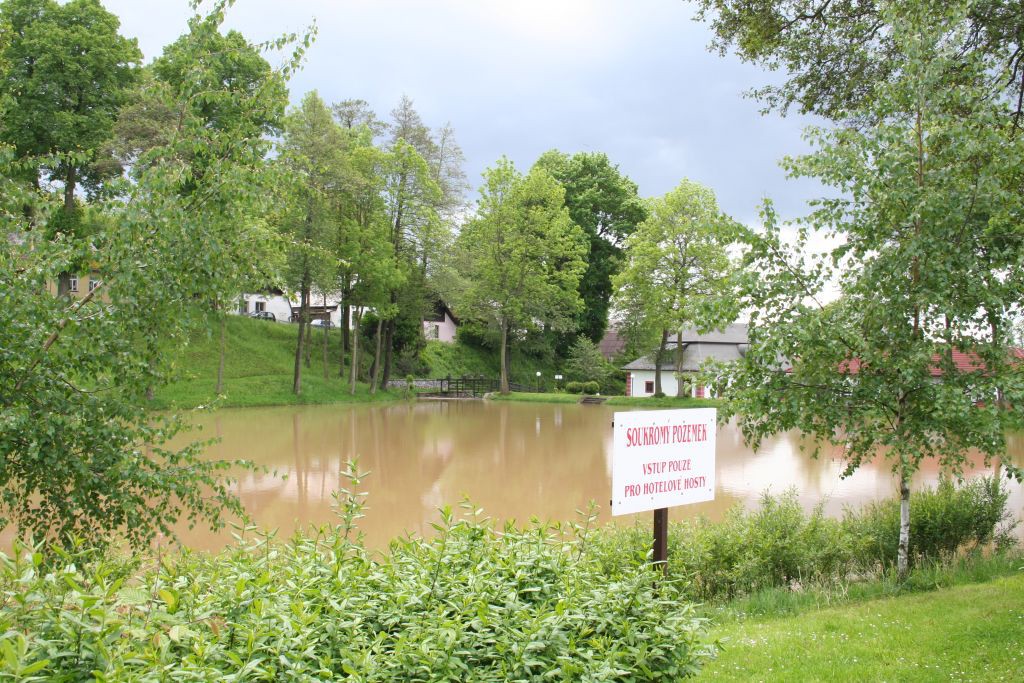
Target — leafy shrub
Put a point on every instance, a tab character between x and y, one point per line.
780	545
943	521
591	387
574	387
473	602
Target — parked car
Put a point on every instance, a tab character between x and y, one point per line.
264	315
322	323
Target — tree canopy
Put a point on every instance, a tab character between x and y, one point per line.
521	257
605	204
912	362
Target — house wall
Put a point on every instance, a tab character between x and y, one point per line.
82	283
638	380
276	304
281	306
443	331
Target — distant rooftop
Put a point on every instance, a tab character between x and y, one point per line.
727	344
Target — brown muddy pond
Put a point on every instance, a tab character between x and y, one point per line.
515	460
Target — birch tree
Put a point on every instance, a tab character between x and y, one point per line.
927	213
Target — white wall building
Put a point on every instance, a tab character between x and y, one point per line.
441	324
725	345
285	308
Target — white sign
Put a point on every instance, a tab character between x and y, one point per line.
663	458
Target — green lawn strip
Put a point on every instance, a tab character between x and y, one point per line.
530	397
662	402
968	632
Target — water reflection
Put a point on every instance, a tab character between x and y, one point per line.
516	461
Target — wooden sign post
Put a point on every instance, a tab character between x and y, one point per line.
662	458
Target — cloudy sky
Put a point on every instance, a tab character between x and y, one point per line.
631	78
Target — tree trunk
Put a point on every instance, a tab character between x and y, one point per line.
508	355
70	181
346	320
903	555
657	363
389	342
325	340
504	357
679	364
309	341
376	359
354	364
223	350
303	300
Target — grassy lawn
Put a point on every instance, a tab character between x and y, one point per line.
258	369
969	632
530	397
662	402
618	401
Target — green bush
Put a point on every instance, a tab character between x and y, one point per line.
943	521
780	545
574	387
474	602
591	387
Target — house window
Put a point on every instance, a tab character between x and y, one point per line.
432	331
649	387
261	306
243	306
73	283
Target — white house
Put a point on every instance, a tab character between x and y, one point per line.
440	324
285	309
729	344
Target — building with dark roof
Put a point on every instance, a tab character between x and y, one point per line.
728	344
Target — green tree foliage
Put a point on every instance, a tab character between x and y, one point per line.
605	204
411	199
585	362
82	456
678	273
521	257
835	51
313	167
67	72
222	100
927	217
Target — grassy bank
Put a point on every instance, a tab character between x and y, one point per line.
458	360
531	397
968	632
617	401
662	402
258	369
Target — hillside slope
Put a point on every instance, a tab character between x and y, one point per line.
258	369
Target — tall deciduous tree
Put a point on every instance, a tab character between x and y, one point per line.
906	365
521	256
82	455
677	268
605	204
67	73
313	164
214	84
